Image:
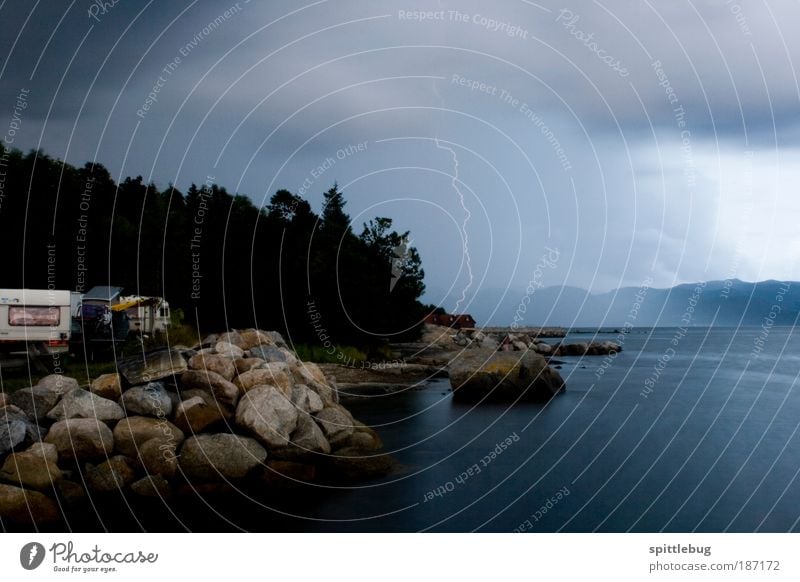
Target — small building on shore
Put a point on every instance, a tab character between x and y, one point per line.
455	321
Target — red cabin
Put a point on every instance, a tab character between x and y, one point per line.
450	320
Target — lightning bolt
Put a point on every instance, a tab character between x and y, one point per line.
32	555
467	216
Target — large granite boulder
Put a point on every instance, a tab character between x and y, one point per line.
37	401
158	456
132	432
84	404
13	429
81	439
107	386
220	456
306	399
274	374
34	468
337	423
214	363
152	399
112	475
308	436
223	390
268	415
195	415
483	375
27	507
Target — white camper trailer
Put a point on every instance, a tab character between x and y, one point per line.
147	315
34	321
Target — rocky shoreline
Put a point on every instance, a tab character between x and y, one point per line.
239	411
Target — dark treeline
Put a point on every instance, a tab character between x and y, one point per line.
224	261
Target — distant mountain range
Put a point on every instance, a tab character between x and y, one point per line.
721	303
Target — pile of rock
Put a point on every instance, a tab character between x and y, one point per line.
523	342
240	408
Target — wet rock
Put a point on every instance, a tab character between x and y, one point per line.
479	375
81	439
220	456
84	404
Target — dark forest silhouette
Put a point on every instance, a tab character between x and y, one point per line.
226	262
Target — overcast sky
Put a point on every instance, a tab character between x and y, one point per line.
635	138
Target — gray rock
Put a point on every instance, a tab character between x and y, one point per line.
268	354
228	350
149	400
58	384
38	400
12	431
159	456
224	391
268	415
81	439
337	424
306	399
214	363
220	456
84	404
308	436
275	374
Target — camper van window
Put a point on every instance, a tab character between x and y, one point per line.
33	316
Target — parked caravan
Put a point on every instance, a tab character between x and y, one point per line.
34	321
147	315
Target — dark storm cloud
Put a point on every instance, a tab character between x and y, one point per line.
569	120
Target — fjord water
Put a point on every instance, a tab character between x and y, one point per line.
712	447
